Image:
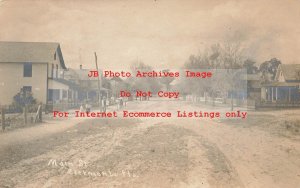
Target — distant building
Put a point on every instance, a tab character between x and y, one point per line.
88	85
36	67
286	87
253	87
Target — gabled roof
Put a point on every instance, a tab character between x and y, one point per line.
34	52
290	72
283	84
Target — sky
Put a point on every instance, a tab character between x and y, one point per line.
161	33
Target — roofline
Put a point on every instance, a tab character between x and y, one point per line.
277	72
281	84
42	62
29	42
58	49
65	82
62	62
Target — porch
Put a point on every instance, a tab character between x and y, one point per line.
281	93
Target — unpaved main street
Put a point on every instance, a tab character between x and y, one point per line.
157	152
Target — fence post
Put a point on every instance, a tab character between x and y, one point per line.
40	112
38	116
25	114
3	118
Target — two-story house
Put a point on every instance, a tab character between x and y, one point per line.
34	67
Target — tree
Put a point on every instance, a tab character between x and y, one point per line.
249	65
232	56
166	80
225	60
232	59
269	69
145	83
196	87
22	99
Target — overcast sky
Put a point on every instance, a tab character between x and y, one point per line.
162	33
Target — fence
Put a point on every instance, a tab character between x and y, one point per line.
278	104
223	102
14	116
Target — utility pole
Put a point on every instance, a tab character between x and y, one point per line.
99	85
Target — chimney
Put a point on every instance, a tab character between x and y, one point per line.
80	66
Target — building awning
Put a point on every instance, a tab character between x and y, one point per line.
64	82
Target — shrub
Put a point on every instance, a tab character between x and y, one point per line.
22	99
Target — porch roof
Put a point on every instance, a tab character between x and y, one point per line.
281	84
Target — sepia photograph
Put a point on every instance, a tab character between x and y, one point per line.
149	94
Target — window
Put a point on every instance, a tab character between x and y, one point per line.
27	70
52	70
70	94
27	89
53	95
55	56
65	94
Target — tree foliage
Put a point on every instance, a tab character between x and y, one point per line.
219	56
144	83
22	99
166	80
269	69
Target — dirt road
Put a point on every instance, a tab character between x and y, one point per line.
159	152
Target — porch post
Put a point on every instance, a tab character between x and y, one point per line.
276	93
289	94
272	94
60	94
